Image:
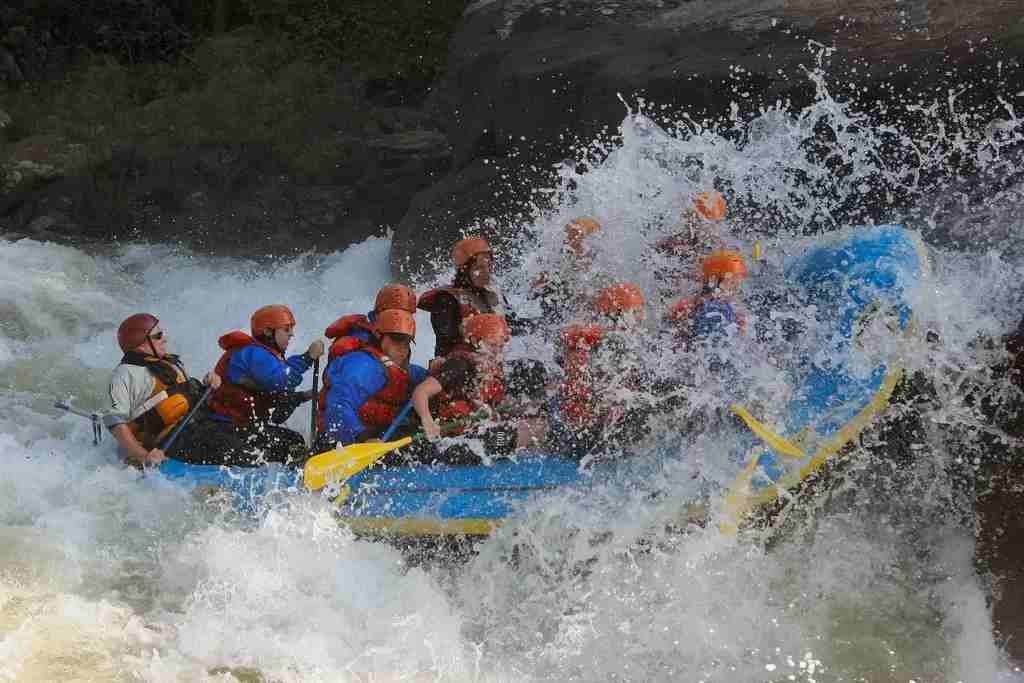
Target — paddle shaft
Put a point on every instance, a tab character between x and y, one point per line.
315	402
396	423
188	418
95	418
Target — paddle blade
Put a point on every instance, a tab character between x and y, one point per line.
341	464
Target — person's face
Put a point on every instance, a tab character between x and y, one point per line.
282	336
396	347
158	339
727	286
480	270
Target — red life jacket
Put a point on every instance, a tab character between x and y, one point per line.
243	404
381	409
578	386
490	388
341	332
470	304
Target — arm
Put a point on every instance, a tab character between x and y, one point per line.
133	450
518	326
266	372
354	379
426	390
446	319
124	392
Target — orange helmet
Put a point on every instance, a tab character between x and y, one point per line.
134	330
577	230
710	205
396	321
619	298
395	296
274	316
486	327
724	264
466	249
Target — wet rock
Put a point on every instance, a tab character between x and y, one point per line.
226	199
36	159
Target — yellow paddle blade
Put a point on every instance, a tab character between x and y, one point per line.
774	441
338	465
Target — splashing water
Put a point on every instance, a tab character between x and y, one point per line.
106	575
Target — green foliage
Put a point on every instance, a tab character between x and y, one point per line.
398	39
235	89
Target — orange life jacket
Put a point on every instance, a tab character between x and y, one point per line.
172	398
470	304
243	404
579	341
490	388
381	409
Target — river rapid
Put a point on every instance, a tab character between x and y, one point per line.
108	575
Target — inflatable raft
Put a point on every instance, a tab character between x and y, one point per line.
856	282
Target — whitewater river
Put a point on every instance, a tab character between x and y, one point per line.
106	575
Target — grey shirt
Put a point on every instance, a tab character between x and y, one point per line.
130	388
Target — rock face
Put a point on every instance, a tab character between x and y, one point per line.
221	199
526	78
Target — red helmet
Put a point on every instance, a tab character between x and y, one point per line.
619	298
395	296
275	316
710	205
396	321
134	330
466	249
486	327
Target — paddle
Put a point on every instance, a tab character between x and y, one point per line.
397	422
314	403
95	418
340	464
184	422
774	441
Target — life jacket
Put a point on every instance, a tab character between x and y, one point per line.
341	332
703	317
577	404
489	389
381	409
470	303
243	403
172	398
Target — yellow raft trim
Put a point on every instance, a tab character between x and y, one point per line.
421	526
739	502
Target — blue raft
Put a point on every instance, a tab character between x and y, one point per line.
855	281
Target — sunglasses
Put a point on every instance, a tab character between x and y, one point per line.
156	337
399	338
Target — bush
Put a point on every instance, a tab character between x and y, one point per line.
133	31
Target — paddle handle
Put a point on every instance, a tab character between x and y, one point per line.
184	422
396	423
315	402
95	418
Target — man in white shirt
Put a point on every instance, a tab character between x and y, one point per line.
150	393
